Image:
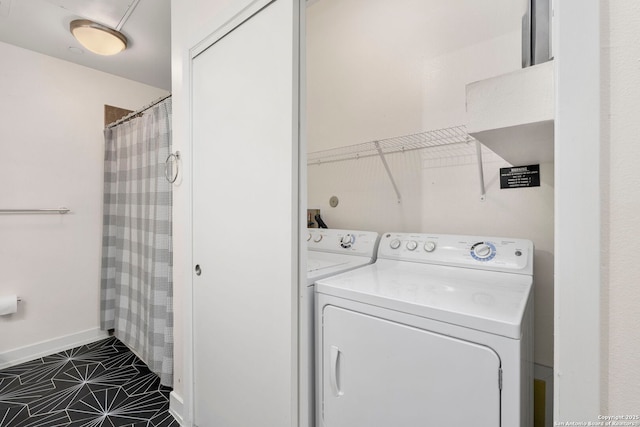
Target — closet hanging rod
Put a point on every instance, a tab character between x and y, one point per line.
133	114
61	211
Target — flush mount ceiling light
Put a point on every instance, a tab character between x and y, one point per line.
98	38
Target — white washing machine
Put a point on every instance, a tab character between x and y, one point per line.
438	332
329	252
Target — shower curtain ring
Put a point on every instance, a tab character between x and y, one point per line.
173	157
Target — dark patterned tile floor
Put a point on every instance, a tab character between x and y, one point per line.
102	384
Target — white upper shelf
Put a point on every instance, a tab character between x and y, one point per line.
513	114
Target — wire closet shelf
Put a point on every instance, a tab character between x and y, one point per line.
401	144
429	139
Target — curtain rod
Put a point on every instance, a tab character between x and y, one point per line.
137	112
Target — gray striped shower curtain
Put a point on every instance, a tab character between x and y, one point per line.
136	284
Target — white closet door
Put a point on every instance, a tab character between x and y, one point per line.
245	216
378	373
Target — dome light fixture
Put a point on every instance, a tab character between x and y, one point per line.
98	38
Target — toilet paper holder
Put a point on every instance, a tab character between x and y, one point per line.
10	304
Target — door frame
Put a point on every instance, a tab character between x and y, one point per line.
579	375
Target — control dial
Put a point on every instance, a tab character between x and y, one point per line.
317	238
412	245
395	244
430	246
308	237
483	251
347	240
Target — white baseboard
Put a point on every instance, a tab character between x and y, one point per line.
176	407
48	347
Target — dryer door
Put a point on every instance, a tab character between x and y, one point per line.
378	373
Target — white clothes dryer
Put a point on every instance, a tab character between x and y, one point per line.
329	252
438	332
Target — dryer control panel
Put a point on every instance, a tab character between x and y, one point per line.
352	242
484	253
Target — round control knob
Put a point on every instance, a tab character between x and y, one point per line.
395	244
412	245
308	237
482	250
347	240
430	246
317	238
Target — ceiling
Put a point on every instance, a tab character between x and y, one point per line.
43	26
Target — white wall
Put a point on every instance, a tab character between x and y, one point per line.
52	148
360	90
357	90
367	62
389	69
620	40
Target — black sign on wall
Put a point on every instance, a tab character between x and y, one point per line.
520	176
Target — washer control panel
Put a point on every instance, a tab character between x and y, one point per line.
485	253
351	242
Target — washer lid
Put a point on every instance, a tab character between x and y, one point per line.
324	264
484	300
